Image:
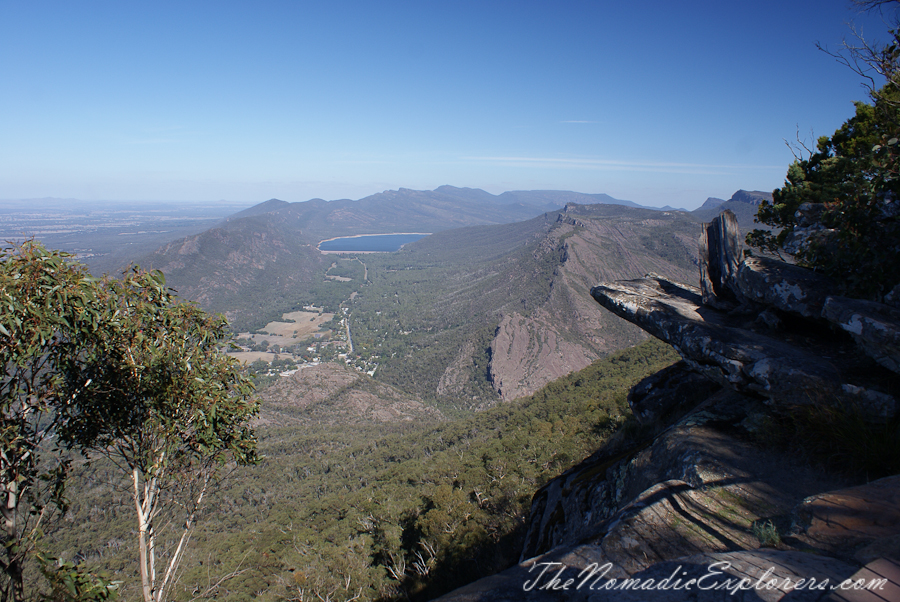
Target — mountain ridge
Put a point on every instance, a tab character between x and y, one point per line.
468	315
743	203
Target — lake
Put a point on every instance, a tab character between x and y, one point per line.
374	243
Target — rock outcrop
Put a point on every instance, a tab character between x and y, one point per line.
692	494
698	486
866	517
768	328
873	326
721	346
720	258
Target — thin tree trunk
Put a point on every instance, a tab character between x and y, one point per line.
143	532
185	535
13	545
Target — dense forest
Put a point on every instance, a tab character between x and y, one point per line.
371	511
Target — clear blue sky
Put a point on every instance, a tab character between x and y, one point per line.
658	102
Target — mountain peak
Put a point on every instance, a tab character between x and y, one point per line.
751	197
712	202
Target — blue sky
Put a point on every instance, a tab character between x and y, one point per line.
657	102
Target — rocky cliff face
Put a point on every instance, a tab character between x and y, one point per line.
762	341
536	345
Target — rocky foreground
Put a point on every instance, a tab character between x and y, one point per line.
695	505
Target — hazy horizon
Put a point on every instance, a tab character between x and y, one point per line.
656	103
248	204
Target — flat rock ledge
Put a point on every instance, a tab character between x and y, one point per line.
714	346
768	328
698	486
865	518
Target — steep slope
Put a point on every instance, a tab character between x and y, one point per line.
480	314
247	269
710	203
565	334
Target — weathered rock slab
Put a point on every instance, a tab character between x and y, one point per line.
742	576
875	327
581	574
673	519
721	251
729	355
786	287
840	521
884	571
586	502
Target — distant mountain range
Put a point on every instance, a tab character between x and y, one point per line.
494	304
743	203
435	210
270	249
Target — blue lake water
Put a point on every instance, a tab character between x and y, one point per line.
384	243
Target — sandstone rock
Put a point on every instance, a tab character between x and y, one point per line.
528	352
580	574
769	319
721	251
584	503
672	519
765	575
809	214
883	547
893	297
875	327
658	394
801	238
809	227
710	342
872	405
786	287
844	520
884	570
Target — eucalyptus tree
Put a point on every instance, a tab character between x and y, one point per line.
118	368
50	312
169	409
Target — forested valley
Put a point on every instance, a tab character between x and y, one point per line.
384	511
400	435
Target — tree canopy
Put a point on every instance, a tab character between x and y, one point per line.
121	368
838	209
49	312
166	407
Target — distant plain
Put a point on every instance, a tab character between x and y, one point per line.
108	235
